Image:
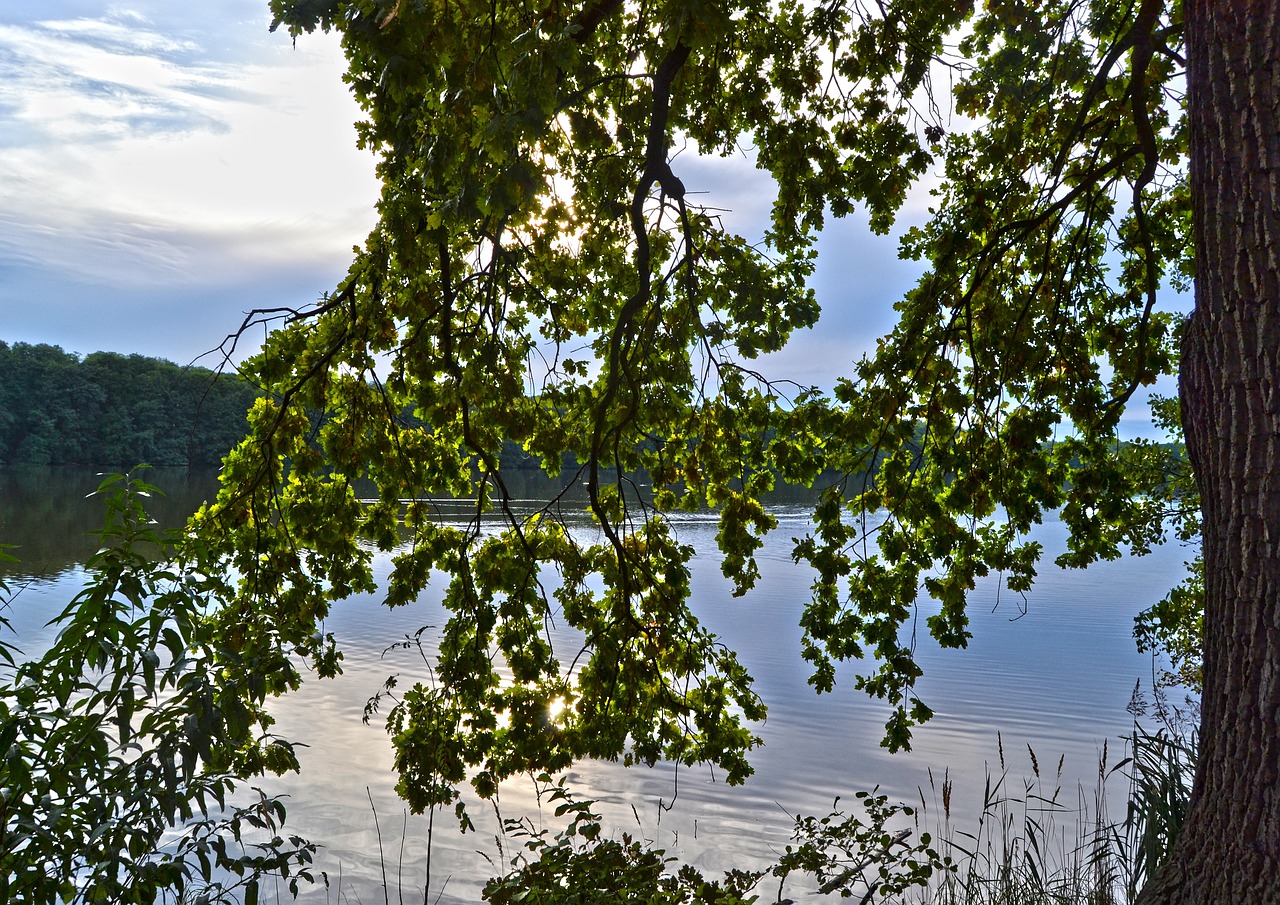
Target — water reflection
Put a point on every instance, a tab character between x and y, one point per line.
48	514
1057	679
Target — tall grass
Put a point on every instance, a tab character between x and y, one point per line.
1032	842
1035	845
1161	768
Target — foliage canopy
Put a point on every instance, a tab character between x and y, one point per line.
541	273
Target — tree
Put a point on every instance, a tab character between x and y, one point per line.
112	409
1228	850
45	396
541	274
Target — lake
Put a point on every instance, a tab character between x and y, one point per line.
1053	671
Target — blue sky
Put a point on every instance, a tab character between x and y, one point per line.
166	167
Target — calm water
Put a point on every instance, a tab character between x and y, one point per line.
1053	672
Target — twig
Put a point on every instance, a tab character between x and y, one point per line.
404	830
382	860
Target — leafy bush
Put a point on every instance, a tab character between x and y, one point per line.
122	747
840	853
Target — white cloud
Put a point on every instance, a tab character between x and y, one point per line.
85	81
135	161
117	37
123	13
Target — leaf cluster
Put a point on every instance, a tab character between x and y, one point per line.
579	866
125	741
542	275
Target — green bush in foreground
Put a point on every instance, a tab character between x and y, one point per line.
839	852
122	746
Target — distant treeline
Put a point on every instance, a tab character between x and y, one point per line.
57	408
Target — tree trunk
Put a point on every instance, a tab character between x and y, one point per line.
1229	850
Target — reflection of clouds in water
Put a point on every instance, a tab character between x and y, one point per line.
1056	679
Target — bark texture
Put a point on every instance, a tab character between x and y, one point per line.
1229	852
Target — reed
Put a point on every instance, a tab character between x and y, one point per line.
1034	845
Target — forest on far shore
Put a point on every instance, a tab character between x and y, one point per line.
57	408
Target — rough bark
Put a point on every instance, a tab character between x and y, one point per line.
1229	851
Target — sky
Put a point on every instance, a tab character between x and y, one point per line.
167	167
164	168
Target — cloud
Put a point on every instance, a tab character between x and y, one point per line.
156	288
161	173
86	81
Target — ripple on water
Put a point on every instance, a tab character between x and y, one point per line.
1057	678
